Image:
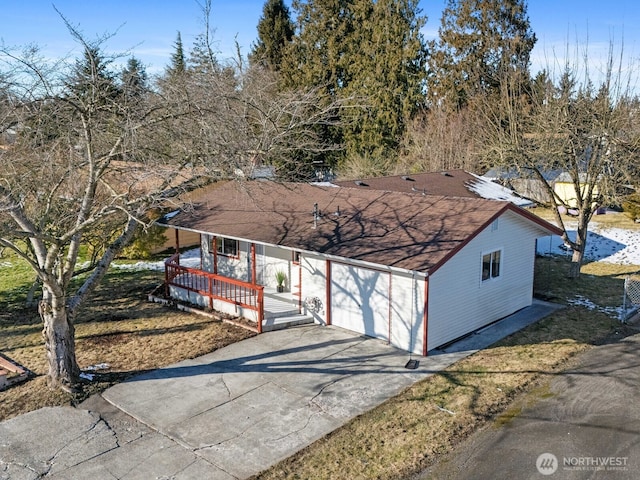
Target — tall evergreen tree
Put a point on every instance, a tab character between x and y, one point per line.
370	52
202	58
320	51
275	31
387	71
134	78
178	63
478	41
90	73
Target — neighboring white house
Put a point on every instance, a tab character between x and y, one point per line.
412	269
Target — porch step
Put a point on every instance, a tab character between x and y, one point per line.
288	312
279	323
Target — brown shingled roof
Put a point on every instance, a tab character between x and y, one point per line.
451	183
404	230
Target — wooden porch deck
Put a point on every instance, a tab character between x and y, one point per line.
274	310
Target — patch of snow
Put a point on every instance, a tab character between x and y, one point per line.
493	191
138	266
87	376
324	184
189	258
609	245
98	366
170	215
613	312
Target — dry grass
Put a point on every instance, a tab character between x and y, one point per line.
612	220
408	432
601	282
119	328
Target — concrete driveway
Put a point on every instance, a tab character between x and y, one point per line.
253	403
588	428
229	414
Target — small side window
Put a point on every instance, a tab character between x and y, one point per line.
491	265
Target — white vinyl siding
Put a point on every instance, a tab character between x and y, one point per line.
407	307
275	259
314	285
389	304
232	267
460	302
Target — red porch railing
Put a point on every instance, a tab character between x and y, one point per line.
213	286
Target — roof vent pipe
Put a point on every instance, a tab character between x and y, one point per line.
316	215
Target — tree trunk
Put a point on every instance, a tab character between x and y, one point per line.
576	263
578	247
59	338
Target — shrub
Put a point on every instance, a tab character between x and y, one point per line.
145	243
631	206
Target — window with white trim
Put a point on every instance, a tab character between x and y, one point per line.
227	247
491	265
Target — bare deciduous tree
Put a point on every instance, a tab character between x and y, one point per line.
87	160
440	140
75	169
573	125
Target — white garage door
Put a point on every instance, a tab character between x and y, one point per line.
360	300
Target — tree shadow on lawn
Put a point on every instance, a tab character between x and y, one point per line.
13	308
597	247
120	290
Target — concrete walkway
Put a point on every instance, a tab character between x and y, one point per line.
229	414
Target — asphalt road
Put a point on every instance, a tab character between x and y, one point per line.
588	428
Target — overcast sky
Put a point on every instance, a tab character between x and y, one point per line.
148	28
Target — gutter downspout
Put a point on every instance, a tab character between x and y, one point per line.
425	316
328	292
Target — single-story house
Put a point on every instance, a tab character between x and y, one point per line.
412	269
565	189
528	185
524	182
